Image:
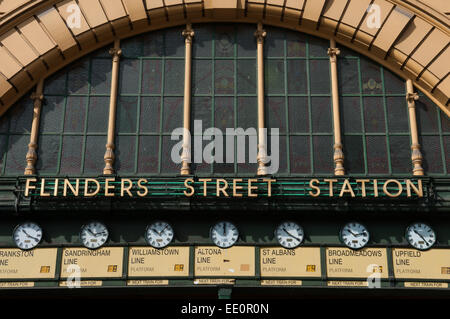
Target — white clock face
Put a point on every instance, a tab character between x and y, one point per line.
27	235
159	234
420	236
354	235
289	234
224	234
94	235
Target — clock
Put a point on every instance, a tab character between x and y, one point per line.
94	235
420	236
27	235
354	235
289	234
159	234
224	234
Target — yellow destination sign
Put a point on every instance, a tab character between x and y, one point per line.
426	284
231	262
155	282
17	284
280	282
152	262
334	283
348	263
36	264
208	281
103	262
82	283
299	262
430	264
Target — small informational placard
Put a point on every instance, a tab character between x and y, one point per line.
17	284
348	263
215	281
82	283
39	263
155	282
430	264
152	262
298	262
104	262
231	262
280	282
338	283
426	284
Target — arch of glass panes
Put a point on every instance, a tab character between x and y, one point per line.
374	119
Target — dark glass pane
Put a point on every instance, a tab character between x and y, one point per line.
78	77
71	155
201	77
21	116
377	162
321	112
101	76
295	44
75	116
198	163
17	150
167	165
129	76
319	76
3	150
245	40
173	114
151	76
274	76
202	45
56	84
154	44
224	40
432	156
4	121
276	113
250	166
446	139
426	112
393	84
371	77
350	110
126	114
296	77
300	154
132	47
224	113
93	156
224	77
298	114
348	76
274	43
374	119
98	113
445	122
279	156
51	114
174	77
353	154
246	77
125	154
150	114
174	42
397	111
400	154
346	52
247	112
323	154
318	47
48	152
202	110
148	154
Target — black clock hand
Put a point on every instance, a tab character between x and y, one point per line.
163	230
91	232
291	234
419	235
29	236
224	229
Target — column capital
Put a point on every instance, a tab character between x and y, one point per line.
411	97
36	96
333	53
260	33
188	33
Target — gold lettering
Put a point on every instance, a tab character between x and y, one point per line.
346	188
43	193
75	190
269	185
375	188
317	189
331	181
418	190
399	185
205	180
363	185
235	187
221	189
55	188
28	187
145	192
109	187
191	188
86	187
124	188
250	187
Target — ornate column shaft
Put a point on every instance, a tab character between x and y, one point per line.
109	157
188	34
416	155
260	34
338	155
31	157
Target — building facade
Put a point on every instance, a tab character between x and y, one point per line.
237	148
